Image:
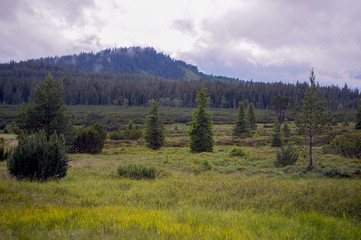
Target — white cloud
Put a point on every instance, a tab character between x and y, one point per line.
276	40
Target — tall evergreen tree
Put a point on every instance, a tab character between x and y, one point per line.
201	129
358	117
251	117
47	112
311	120
240	129
276	139
154	128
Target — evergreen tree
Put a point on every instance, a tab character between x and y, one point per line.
286	129
201	129
37	158
240	129
251	117
47	112
280	105
358	117
276	140
154	128
311	120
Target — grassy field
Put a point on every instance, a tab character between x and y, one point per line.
194	196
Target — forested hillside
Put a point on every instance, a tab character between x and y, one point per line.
18	80
133	60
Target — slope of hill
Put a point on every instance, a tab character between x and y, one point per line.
133	60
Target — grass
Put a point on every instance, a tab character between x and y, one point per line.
193	196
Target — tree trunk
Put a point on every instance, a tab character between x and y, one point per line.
310	165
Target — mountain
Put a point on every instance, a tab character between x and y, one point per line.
133	60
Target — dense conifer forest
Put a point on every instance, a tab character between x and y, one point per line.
17	82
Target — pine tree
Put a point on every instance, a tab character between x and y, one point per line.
251	117
240	129
47	112
286	129
276	140
358	117
154	128
37	158
311	120
201	129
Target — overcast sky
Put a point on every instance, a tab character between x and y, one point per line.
263	40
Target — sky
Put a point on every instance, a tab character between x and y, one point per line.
262	40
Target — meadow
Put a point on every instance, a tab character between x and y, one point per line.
193	196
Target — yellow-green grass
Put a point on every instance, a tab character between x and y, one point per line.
194	196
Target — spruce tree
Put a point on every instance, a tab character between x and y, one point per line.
154	128
276	140
241	129
358	117
201	129
286	129
251	117
311	120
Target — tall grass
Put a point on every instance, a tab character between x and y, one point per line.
116	222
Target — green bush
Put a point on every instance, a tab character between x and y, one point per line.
136	171
3	153
130	133
286	156
237	152
89	140
351	147
37	158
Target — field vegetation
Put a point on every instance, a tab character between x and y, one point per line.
208	195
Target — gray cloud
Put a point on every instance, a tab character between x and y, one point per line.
38	28
282	40
185	26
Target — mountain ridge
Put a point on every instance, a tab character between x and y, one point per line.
133	60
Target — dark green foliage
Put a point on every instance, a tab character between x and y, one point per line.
280	105
286	130
358	117
130	133
287	155
241	129
237	152
154	128
4	153
37	158
89	140
201	129
17	81
311	119
351	147
47	112
276	138
251	117
136	171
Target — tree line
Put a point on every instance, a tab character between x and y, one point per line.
17	82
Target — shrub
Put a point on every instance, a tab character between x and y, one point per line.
136	171
130	133
3	154
237	152
286	156
351	147
36	158
89	140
